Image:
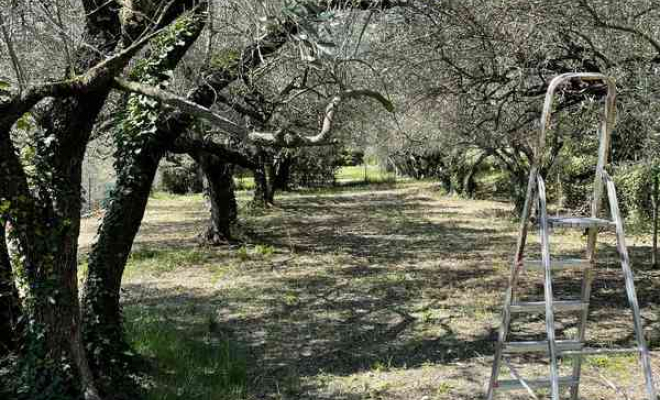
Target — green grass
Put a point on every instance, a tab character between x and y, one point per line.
245	183
617	364
374	173
186	366
159	261
160	195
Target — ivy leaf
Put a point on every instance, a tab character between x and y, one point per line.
24	123
4	206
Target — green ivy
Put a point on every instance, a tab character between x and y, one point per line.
136	125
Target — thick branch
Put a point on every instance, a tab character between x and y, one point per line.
282	137
292	139
190	107
196	147
15	105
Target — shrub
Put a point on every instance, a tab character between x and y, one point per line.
634	184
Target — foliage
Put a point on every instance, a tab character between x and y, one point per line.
315	167
634	185
181	178
200	365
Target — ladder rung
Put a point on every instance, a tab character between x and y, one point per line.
556	264
540	346
591	351
539	306
513	384
579	222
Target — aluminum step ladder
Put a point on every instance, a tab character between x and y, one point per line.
536	198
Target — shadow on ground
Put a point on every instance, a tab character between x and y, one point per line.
392	294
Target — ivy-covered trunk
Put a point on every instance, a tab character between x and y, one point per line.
102	322
45	230
224	210
9	302
45	224
141	143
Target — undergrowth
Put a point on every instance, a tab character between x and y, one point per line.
190	361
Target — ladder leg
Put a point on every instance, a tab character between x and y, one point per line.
503	331
549	312
645	358
513	282
637	319
581	336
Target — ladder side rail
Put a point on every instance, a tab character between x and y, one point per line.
596	205
516	268
630	285
605	135
549	311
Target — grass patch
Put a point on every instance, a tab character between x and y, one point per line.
161	195
372	173
160	261
186	368
244	183
614	364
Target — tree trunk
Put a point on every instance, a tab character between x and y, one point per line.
271	179
224	210
281	173
262	190
9	301
102	320
469	185
656	204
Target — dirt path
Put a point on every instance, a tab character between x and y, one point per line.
387	294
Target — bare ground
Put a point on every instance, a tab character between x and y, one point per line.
392	293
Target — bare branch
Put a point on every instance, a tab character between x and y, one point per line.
282	137
291	139
607	25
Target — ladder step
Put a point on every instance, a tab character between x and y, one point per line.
557	264
539	306
514	384
579	222
591	351
540	346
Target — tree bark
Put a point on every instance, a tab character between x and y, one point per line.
9	301
47	225
280	172
102	321
220	192
655	204
469	185
262	191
